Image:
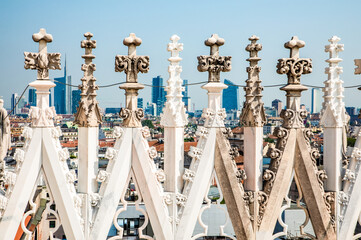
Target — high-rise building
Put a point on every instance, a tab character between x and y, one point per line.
230	96
277	104
158	94
186	99
14	100
61	94
351	111
75	98
316	100
32	97
140	103
69	95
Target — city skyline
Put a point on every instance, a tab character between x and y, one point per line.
66	41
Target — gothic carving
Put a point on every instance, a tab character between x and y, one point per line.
188	175
202	132
5	136
102	176
42	117
195	153
180	199
262	202
214	64
56	132
349	176
146	132
152	151
42	61
94	199
333	112
227	133
343	198
88	113
292	118
131	65
174	113
358	65
118	132
71	176
111	153
64	154
241	175
321	177
253	114
160	175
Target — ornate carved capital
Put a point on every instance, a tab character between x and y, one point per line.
253	114
214	64
42	61
88	113
131	65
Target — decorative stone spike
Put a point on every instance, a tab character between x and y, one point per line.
214	63
88	114
333	112
131	65
42	61
174	114
294	67
42	115
5	141
253	114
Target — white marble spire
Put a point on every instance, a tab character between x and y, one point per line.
174	114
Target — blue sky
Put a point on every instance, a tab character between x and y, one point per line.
275	22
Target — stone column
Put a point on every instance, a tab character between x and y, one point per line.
252	119
132	65
214	64
173	119
88	118
333	117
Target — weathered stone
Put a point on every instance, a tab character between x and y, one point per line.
88	113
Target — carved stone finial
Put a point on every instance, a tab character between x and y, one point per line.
294	67
253	114
131	65
333	112
358	65
42	61
214	64
174	114
88	114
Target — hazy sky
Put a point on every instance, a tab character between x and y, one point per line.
275	22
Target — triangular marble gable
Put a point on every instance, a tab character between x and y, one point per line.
43	153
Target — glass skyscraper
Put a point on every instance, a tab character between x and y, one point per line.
230	96
62	100
158	93
75	98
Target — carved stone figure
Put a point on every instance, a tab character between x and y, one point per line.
88	114
131	65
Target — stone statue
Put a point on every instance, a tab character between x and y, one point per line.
5	141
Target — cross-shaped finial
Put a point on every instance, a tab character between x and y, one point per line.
42	61
175	47
294	66
334	48
214	64
88	44
295	44
132	64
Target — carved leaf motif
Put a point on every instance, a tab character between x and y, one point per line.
294	68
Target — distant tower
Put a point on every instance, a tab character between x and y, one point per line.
140	103
158	94
230	96
14	100
277	104
63	94
186	99
32	97
316	100
75	100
